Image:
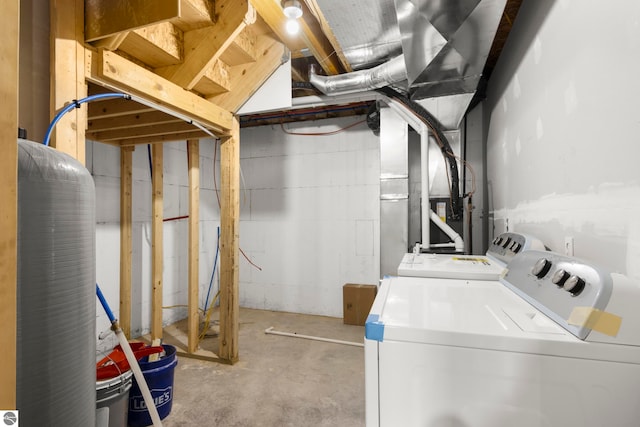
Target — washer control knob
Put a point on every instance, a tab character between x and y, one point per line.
541	268
574	284
506	242
497	240
515	247
560	277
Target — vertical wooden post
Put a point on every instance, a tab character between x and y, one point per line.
156	241
229	247
126	185
68	75
9	33
193	148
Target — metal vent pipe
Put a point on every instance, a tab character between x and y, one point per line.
390	72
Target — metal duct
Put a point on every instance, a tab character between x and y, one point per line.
386	74
446	43
56	289
364	56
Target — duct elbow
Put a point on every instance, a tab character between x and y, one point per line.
385	74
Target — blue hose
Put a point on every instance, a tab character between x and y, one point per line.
76	104
105	305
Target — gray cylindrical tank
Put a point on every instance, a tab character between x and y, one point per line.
56	373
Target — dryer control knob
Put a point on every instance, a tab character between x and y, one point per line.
515	247
506	242
497	240
560	277
574	284
541	268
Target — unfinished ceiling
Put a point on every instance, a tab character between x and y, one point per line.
205	58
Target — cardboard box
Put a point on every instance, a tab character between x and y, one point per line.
356	302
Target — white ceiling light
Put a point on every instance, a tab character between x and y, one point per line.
292	9
292	27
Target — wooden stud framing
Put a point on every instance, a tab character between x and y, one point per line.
126	190
9	33
68	75
156	241
229	243
193	150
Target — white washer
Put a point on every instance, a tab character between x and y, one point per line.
439	352
480	267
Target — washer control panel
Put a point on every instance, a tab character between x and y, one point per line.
507	245
557	284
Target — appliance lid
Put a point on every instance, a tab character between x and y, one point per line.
475	314
475	267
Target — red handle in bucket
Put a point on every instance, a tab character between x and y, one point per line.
116	362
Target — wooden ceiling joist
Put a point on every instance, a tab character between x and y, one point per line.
150	118
158	45
142	131
107	18
108	68
204	46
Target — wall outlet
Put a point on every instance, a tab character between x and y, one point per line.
568	246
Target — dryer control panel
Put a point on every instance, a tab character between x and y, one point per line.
560	286
507	245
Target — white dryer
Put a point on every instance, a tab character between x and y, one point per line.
541	349
480	267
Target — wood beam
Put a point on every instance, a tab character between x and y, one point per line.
195	14
99	110
10	34
111	42
317	24
157	45
204	46
229	243
126	191
159	139
108	17
156	241
242	48
193	150
110	69
130	121
141	131
215	80
246	79
68	75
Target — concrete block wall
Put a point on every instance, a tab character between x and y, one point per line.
309	219
309	215
563	131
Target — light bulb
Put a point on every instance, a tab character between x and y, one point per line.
292	27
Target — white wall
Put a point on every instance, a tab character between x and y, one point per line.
563	138
309	215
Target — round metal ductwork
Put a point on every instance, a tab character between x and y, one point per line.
56	383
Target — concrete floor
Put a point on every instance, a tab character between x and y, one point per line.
279	381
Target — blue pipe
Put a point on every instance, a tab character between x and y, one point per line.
76	104
213	273
105	305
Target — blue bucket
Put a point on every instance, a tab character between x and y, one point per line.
159	377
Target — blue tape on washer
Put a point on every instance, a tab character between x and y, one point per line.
373	328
